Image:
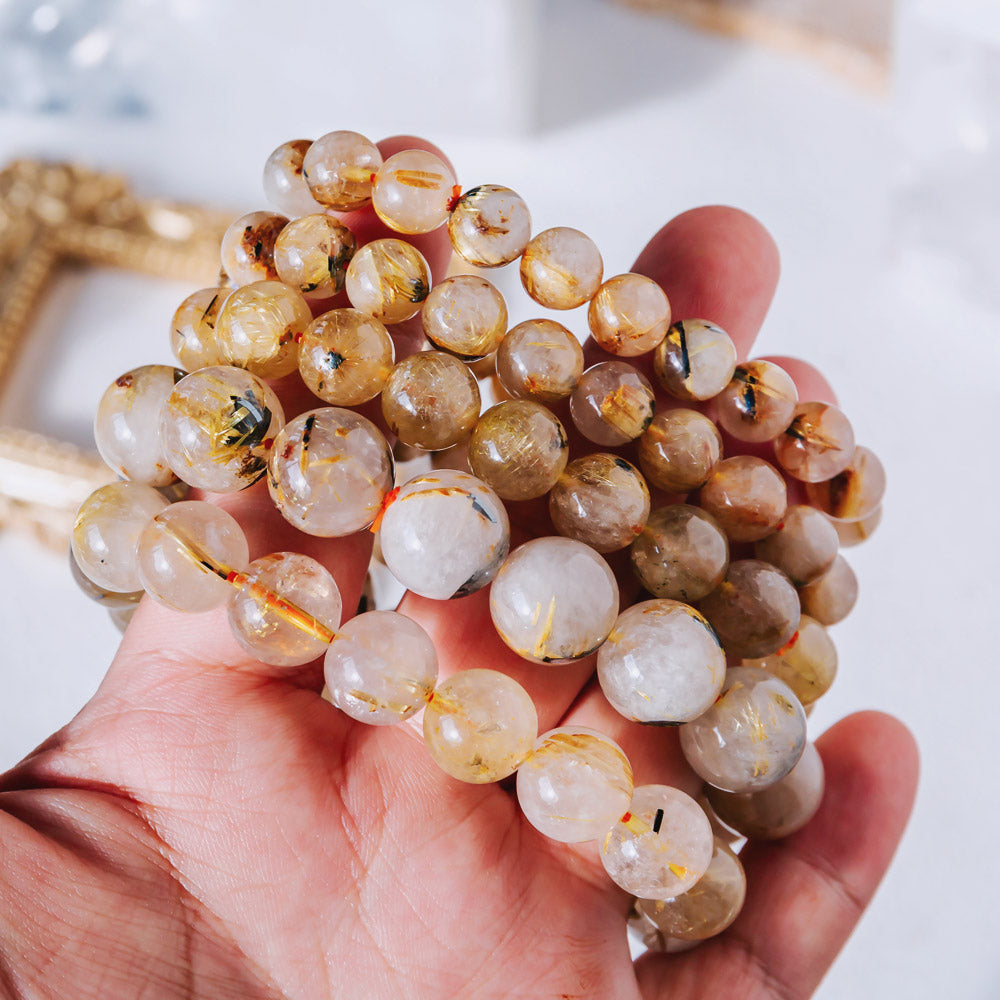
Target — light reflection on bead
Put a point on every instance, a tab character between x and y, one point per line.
541	360
312	254
807	663
284	185
612	404
817	444
412	191
629	315
248	247
466	316
561	268
388	279
489	226
696	360
679	450
192	331
339	167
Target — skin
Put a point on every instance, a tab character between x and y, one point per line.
209	827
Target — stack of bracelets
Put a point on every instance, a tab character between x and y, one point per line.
446	533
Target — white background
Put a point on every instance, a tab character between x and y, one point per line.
885	208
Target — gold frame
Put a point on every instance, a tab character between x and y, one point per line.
52	214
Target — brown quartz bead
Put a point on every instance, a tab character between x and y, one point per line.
855	532
854	493
681	553
803	546
747	496
830	598
807	663
248	247
600	500
561	268
519	448
758	403
679	449
466	316
695	360
817	444
540	359
629	315
431	401
755	609
312	254
612	404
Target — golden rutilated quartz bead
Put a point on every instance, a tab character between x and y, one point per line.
192	332
389	280
489	226
855	492
747	496
758	402
803	545
284	185
612	404
561	268
412	191
539	359
465	316
679	450
695	360
248	247
339	168
629	315
817	444
312	254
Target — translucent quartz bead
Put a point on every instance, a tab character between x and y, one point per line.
830	597
751	737
747	496
479	725
708	907
312	254
106	532
465	315
817	444
629	315
339	168
329	471
388	279
111	599
695	360
855	532
345	357
259	328
519	448
601	500
431	400
554	599
780	809
127	426
286	610
380	668
758	403
186	553
681	553
561	268
217	427
662	663
803	545
489	226
412	191
192	332
540	359
807	663
248	247
854	493
755	610
679	449
661	846
575	785
284	184
612	404
445	534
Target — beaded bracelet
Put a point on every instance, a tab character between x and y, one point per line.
446	533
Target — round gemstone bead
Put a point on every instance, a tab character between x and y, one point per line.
259	328
708	907
830	597
747	496
218	424
601	500
248	247
662	663
554	599
339	167
284	184
755	610
380	668
519	448
780	809
329	471
758	403
312	254
186	553
817	444
803	545
345	357
681	553
445	534
412	191
479	725
695	360
127	426
106	533
679	449
540	359
661	846
286	610
192	332
489	226
561	268
113	600
629	315
751	737
465	315
807	663
854	493
431	400
855	532
612	404
575	785
388	279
